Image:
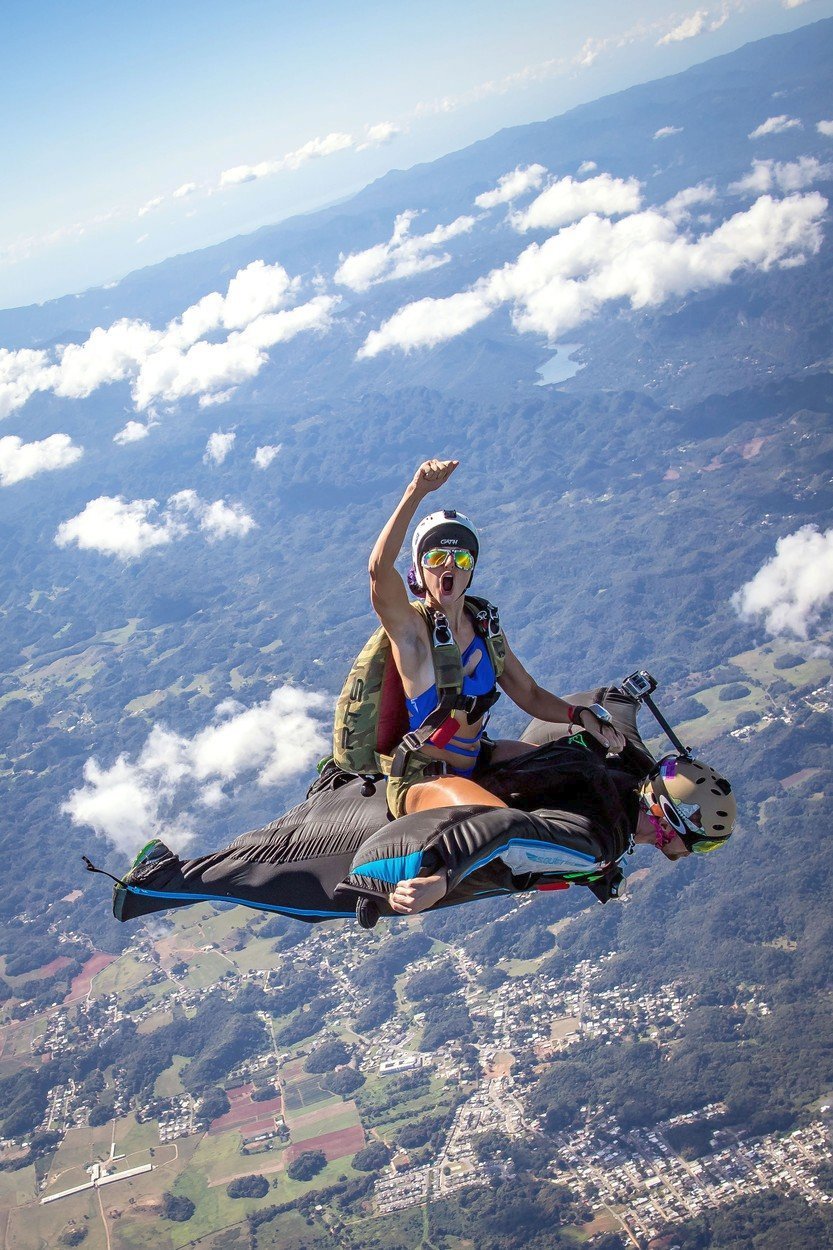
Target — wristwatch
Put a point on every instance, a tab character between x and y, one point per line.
601	713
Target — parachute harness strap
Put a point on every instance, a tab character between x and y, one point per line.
90	867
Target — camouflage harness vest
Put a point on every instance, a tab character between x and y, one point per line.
370	735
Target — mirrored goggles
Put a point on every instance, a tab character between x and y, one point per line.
436	557
685	819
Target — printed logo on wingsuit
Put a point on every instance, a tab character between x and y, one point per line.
521	855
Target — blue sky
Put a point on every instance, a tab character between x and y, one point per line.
256	111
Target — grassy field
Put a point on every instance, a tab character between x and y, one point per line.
291	1232
37	1227
168	1084
17	1042
759	665
205	969
17	1187
522	967
216	1160
145	702
132	1136
125	974
563	1026
394	1228
257	955
158	1020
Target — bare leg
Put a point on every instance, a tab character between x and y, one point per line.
448	792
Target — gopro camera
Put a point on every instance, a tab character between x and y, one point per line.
639	684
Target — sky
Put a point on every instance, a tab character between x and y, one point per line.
143	130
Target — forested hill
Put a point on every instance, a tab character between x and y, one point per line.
195	463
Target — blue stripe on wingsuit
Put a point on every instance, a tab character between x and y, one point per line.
243	902
531	842
397	868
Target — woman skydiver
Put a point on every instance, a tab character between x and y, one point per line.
443	772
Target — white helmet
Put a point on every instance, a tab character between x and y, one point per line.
441	529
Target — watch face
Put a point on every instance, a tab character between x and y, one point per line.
601	712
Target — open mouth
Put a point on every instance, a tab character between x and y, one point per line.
447	583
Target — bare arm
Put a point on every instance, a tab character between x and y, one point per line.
387	589
534	699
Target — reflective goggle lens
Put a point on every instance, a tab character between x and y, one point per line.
703	846
436	558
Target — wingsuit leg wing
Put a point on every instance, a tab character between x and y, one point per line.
291	866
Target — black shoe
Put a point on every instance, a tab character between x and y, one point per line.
152	868
367	913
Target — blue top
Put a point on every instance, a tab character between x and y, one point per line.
480	681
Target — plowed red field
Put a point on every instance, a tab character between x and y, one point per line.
345	1141
256	1116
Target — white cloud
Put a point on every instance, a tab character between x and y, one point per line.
216	398
644	259
695	24
791	590
377	136
110	355
218	446
264	456
26	245
187	188
19	460
567	200
129	528
587	167
427	322
151	205
775	126
679	206
402	256
176	362
665	132
248	173
793	4
781	176
210	369
257	289
521	78
158	793
825	128
132	432
116	527
512	185
22	373
217	520
314	149
221	520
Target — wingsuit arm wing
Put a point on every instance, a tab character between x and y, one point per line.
468	842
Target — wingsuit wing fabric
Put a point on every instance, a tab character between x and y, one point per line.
570	816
